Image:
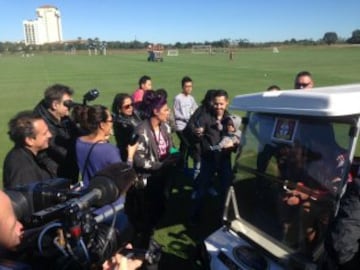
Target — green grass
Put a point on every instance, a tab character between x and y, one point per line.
24	79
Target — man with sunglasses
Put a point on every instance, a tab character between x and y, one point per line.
303	80
60	156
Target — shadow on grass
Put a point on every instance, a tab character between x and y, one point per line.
179	239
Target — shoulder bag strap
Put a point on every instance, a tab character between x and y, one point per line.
87	162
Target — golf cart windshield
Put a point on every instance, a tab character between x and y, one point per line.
288	176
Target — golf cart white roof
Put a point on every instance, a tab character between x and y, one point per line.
338	100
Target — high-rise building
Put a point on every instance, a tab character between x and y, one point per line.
46	28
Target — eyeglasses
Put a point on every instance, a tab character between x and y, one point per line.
302	85
127	106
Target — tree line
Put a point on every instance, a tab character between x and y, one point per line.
91	43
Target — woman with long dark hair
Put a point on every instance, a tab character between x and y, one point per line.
93	150
125	121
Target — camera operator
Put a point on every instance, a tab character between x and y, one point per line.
60	156
11	230
125	121
30	135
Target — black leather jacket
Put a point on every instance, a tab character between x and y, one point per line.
60	157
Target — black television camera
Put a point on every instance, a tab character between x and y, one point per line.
90	95
61	229
128	127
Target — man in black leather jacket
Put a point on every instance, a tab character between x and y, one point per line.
60	157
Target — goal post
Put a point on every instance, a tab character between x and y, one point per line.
201	49
275	50
173	52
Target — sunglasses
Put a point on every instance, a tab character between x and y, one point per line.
69	103
302	85
127	106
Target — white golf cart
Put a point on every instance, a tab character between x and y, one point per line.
297	152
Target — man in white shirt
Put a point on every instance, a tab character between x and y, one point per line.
184	107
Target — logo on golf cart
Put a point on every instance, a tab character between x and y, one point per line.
284	130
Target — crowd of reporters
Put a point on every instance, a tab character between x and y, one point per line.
64	139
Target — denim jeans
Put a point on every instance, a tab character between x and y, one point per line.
210	166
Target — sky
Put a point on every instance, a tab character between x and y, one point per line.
164	21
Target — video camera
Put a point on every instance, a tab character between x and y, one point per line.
129	124
90	95
62	228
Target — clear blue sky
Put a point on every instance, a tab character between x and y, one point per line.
189	20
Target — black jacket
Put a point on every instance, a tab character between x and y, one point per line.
22	168
60	157
343	235
192	124
213	131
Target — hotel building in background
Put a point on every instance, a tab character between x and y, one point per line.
46	28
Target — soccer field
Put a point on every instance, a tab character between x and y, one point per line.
24	79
